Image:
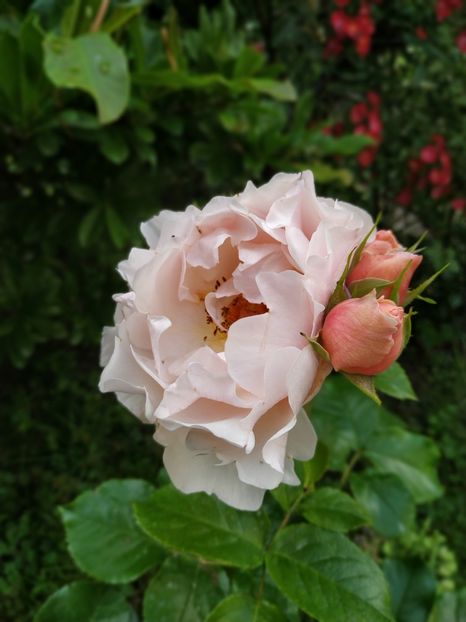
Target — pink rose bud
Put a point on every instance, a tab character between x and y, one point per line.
385	258
363	335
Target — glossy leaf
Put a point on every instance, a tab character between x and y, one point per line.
387	501
182	590
450	607
92	63
244	608
345	419
328	576
412	586
280	90
312	470
102	536
84	601
286	495
203	526
333	509
395	382
411	457
365	384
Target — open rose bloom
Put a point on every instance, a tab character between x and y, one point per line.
208	343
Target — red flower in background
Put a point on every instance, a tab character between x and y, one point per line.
461	41
444	8
433	167
360	28
459	204
365	117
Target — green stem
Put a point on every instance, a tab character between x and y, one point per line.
75	9
349	468
282	525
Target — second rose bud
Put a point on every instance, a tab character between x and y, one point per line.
364	335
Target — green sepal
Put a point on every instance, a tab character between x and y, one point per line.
415	246
415	293
364	384
339	294
358	252
407	327
363	287
395	293
318	349
429	301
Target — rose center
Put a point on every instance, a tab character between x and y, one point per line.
238	308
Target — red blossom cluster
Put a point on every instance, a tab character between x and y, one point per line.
461	41
444	8
459	204
360	28
432	168
366	120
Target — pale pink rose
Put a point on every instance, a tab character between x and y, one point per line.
208	343
385	258
363	335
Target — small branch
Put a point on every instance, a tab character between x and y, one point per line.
349	468
99	18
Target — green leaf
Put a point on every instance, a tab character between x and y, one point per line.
412	586
411	457
345	419
395	382
113	146
203	526
280	90
117	229
312	470
350	144
324	173
182	590
365	384
333	509
286	495
121	15
92	63
450	607
244	608
328	576
248	62
102	536
86	602
87	225
387	501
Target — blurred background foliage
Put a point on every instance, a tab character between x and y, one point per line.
110	111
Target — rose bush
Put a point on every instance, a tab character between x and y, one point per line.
209	342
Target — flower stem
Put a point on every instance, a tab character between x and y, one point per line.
99	18
349	468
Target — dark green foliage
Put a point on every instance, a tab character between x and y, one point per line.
214	99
